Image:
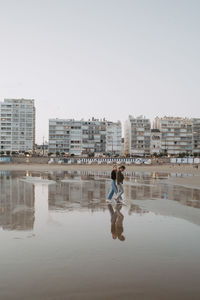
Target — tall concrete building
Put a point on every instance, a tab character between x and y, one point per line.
84	137
94	136
176	134
113	137
196	135
65	135
155	141
137	136
17	125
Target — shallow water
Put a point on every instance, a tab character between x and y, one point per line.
60	240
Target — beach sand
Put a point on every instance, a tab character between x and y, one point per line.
191	181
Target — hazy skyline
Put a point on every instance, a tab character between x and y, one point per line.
80	59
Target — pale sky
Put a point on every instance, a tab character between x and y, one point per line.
101	58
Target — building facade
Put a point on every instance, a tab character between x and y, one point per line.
65	136
155	141
137	136
94	136
176	134
17	125
196	135
113	137
84	137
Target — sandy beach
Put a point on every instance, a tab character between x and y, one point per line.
109	251
193	181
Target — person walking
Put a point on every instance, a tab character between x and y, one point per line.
113	188
120	179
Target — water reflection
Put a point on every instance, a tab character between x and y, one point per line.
90	194
16	203
116	222
77	238
77	191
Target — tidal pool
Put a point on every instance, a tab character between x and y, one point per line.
60	240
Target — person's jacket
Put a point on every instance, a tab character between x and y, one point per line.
113	175
120	177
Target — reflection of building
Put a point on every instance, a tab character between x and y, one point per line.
140	189
76	191
17	120
84	137
20	201
137	209
16	203
137	136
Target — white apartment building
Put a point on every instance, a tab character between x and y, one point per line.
113	137
176	134
17	125
137	136
94	136
65	136
196	135
155	141
84	137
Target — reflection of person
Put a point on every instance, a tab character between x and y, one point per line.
116	222
113	188
119	223
120	179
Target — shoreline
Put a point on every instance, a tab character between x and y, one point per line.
165	168
192	181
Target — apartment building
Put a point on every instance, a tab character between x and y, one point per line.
113	137
17	125
65	136
196	135
84	137
155	141
137	136
176	134
94	136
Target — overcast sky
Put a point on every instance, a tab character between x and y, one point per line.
101	58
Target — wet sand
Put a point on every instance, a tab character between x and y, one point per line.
193	181
60	240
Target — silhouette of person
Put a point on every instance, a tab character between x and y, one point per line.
119	223
116	222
